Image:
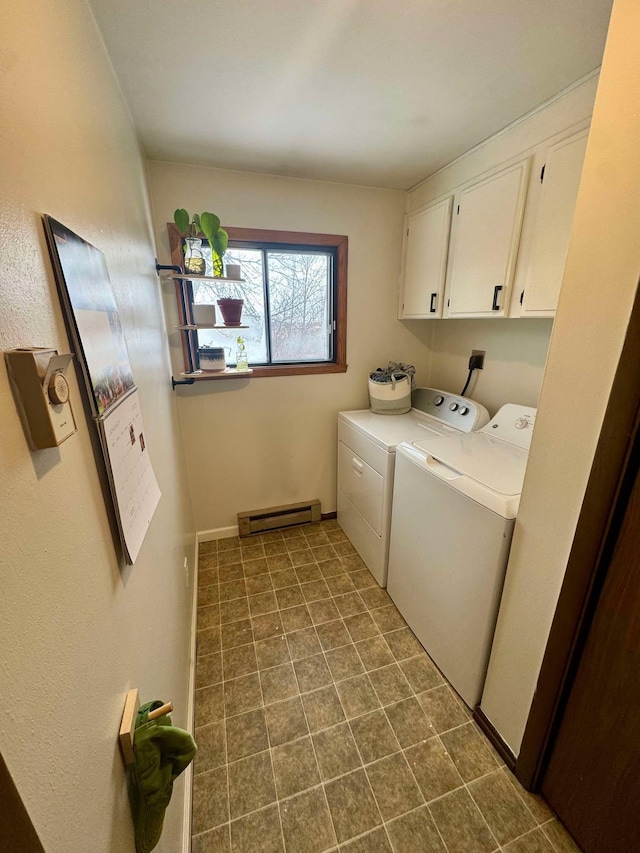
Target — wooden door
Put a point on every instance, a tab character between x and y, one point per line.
593	776
487	224
425	262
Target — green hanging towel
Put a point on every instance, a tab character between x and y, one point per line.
162	752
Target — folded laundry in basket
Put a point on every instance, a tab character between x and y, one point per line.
161	752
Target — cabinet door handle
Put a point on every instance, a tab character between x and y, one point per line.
496	294
432	308
358	466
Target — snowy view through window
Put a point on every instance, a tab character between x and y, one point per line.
287	305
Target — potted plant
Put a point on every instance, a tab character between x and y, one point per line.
218	239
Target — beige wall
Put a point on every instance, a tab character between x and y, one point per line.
599	285
262	442
77	632
516	348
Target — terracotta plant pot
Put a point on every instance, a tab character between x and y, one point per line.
231	310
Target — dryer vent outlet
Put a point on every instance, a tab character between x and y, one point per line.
273	518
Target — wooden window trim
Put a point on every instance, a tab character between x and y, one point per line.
302	238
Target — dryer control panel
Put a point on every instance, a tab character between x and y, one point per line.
459	412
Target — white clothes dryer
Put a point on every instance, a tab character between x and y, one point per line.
366	461
455	503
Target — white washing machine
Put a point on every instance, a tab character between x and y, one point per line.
366	460
455	502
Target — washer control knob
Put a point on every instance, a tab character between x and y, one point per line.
453	407
522	423
439	400
464	410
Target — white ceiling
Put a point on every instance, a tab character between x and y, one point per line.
374	92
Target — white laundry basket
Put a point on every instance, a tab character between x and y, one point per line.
392	397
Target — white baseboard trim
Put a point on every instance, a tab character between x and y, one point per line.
218	533
188	773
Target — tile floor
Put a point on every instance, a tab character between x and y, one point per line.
322	724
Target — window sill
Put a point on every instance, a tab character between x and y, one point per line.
272	370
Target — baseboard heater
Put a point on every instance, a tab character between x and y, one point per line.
275	517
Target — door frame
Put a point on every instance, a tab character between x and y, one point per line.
596	531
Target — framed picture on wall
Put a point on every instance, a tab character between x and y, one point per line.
91	316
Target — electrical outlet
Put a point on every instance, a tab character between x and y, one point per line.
479	355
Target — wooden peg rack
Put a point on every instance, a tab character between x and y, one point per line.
128	724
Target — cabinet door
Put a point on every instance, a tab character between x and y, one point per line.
425	264
560	182
487	232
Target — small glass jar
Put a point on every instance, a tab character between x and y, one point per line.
242	362
194	262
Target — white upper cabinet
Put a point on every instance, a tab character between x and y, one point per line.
426	246
560	182
486	233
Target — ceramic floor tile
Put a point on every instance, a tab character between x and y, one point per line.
308	573
323	611
323	552
409	722
295	768
232	589
340	584
211	747
295	618
209	670
532	842
258	831
336	751
357	696
289	596
361	626
306	823
322	708
272	652
442	708
239	661
415	832
283	578
351	561
267	625
242	694
461	825
390	684
208	595
352	805
258	584
226	557
374	652
251	552
388	618
264	602
312	673
350	604
344	662
236	634
246	734
403	644
235	610
228	543
208	617
333	634
469	752
278	683
253	568
536	805
375	597
304	643
374	736
373	842
315	591
502	808
421	673
393	786
213	841
301	557
286	721
206	577
363	579
210	800
273	549
209	704
331	568
560	839
208	641
209	548
251	784
231	572
433	768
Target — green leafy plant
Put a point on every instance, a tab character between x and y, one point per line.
209	225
